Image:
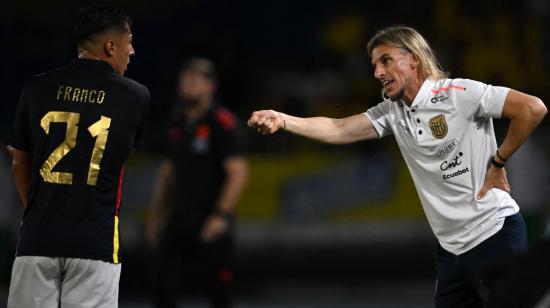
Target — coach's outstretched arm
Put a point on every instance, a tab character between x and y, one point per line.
335	131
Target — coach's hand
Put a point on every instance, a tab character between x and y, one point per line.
213	228
266	121
495	178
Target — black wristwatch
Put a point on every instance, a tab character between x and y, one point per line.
496	163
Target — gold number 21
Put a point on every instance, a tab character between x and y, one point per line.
99	130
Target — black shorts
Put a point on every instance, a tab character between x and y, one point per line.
460	279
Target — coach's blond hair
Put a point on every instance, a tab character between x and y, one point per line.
409	39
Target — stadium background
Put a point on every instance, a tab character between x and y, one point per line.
319	225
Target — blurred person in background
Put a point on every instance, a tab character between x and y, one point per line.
204	173
445	132
74	128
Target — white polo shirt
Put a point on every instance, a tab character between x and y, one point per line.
447	140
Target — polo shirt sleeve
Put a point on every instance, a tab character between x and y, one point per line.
231	141
21	135
379	118
479	100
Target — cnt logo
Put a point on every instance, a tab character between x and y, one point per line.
455	162
451	164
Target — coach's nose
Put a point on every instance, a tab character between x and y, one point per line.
379	72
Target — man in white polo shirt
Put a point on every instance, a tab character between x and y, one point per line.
444	130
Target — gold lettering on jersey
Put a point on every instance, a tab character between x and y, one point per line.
76	95
67	96
46	171
84	96
93	94
438	126
99	130
80	95
60	91
100	96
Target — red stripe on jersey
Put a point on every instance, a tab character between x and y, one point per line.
225	118
436	91
203	131
119	192
226	275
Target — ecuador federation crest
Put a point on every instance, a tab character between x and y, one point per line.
438	126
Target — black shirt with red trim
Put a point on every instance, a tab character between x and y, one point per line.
79	123
198	151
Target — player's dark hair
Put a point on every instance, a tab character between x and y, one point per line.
95	20
201	65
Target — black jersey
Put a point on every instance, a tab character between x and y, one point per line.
79	123
198	151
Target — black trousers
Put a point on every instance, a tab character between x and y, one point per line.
460	279
205	267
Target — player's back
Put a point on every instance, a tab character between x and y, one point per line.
83	121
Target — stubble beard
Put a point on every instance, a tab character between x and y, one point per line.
398	96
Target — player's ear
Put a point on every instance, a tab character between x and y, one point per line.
109	47
414	62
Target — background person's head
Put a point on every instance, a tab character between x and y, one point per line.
197	81
104	33
412	57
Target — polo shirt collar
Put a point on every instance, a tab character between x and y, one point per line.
424	91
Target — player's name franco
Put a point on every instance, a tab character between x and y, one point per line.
80	95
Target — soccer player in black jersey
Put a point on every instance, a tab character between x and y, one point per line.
74	128
206	168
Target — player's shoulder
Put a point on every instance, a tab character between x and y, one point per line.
131	86
386	106
457	87
36	83
44	77
460	81
224	117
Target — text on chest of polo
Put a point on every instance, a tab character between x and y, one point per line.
80	95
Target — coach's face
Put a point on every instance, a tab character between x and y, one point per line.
194	87
396	68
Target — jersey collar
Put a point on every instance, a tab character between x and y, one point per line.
424	91
95	65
